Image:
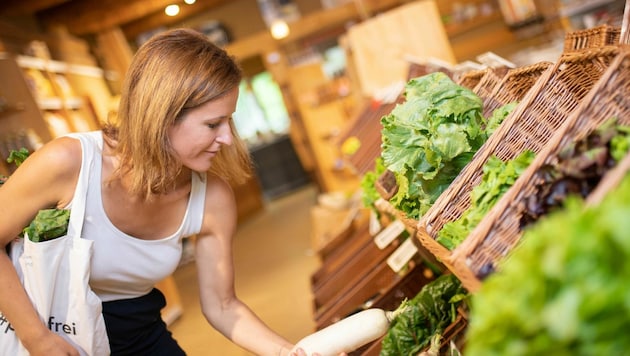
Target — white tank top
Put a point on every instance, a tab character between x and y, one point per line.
124	266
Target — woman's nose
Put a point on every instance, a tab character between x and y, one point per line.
225	136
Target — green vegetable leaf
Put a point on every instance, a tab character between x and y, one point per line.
18	157
368	184
439	123
498	115
497	178
423	317
564	289
47	225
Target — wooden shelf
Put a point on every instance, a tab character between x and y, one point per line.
581	7
453	30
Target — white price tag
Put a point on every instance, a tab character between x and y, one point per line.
402	255
374	224
389	234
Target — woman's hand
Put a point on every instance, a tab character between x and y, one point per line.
51	344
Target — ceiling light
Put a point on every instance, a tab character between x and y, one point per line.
172	10
279	29
190	2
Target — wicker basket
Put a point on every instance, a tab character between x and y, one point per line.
513	86
603	35
385	206
471	78
504	86
500	230
530	126
490	79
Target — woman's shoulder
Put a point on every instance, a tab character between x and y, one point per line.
219	217
219	195
218	187
68	149
54	165
61	154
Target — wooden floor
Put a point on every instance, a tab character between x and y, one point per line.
273	262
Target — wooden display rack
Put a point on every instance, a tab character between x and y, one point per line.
336	296
29	108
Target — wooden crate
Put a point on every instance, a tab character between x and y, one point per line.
349	275
500	229
358	238
355	297
530	126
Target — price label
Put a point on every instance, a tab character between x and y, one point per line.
374	224
389	234
402	255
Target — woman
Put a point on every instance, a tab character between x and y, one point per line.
165	163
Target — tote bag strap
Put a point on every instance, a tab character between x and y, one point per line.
77	208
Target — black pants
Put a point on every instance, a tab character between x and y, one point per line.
135	327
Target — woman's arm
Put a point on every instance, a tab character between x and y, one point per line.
46	179
213	255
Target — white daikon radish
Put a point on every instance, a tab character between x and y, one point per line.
347	334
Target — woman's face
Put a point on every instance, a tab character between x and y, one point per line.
199	135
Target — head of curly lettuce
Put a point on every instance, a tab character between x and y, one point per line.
429	138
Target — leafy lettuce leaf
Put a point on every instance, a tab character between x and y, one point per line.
498	176
368	184
564	289
429	138
426	315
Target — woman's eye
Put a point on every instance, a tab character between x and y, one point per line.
213	125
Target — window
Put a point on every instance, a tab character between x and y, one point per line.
260	111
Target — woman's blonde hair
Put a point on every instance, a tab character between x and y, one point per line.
171	73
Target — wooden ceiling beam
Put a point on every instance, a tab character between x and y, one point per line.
89	17
147	23
26	7
307	26
337	16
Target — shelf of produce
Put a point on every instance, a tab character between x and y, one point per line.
350	274
391	298
354	298
340	256
530	126
502	227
